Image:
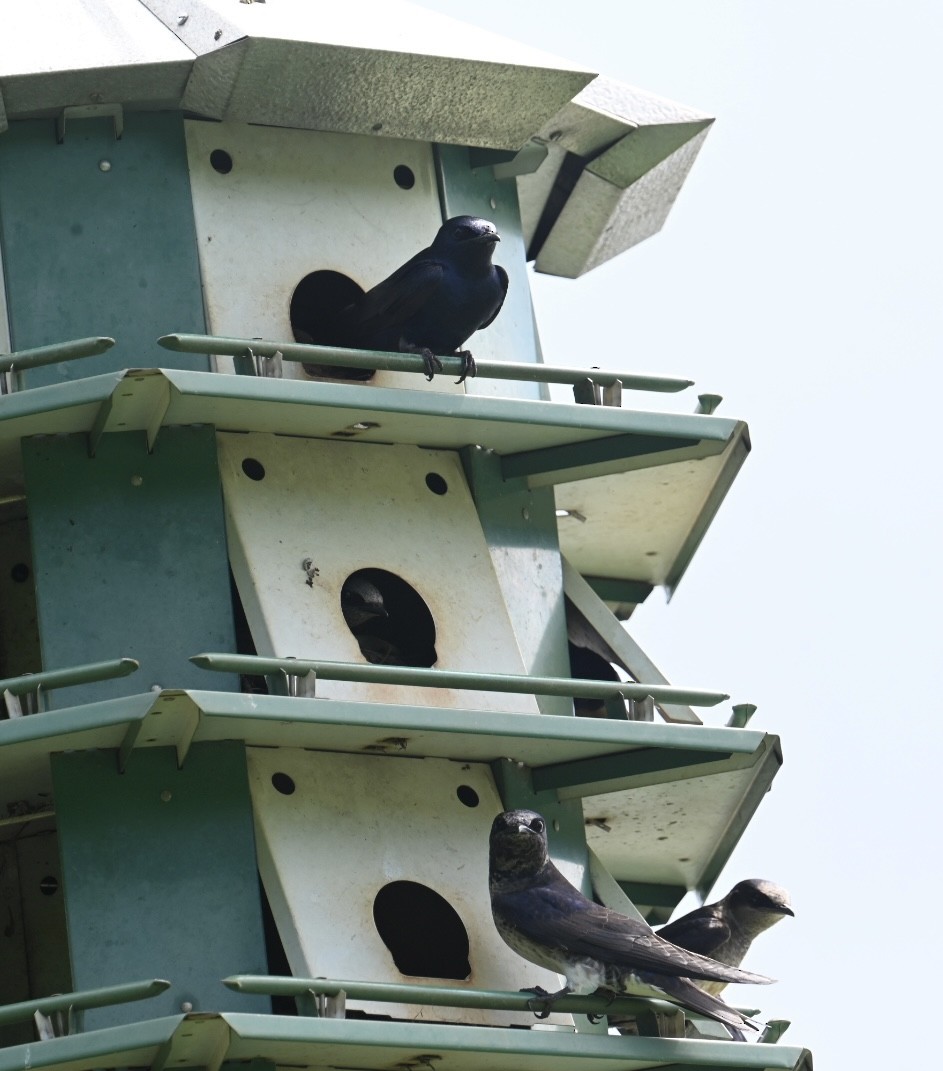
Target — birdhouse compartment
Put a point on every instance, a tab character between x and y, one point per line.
390	879
293	224
306	518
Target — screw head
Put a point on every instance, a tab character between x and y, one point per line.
104	165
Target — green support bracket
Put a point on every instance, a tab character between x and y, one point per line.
554	459
520	525
612	589
610	768
661	899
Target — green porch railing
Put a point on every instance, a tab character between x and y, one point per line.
409	362
440	678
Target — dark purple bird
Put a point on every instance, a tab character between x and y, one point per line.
548	921
435	301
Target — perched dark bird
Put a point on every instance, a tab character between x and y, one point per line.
548	921
434	302
726	929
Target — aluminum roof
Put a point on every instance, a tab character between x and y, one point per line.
602	165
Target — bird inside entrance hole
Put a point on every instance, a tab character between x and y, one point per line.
431	304
389	619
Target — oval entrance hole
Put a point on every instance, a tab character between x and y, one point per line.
422	930
389	618
313	309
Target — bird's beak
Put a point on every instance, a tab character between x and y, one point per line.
522	828
787	910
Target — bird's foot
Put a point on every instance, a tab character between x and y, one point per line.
469	368
431	362
597	1017
544	1001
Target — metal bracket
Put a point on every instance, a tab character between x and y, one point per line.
332	1007
13	704
505	163
262	365
773	1031
589	392
286	683
90	111
740	718
58	1024
642	709
707	403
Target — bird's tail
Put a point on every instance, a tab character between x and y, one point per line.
691	996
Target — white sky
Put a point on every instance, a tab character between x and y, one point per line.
799	275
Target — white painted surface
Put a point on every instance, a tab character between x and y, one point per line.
299	201
356	823
349	506
68	35
634	525
691	814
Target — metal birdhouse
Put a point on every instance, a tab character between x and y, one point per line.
292	605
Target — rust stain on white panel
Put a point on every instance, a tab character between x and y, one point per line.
342	507
352	825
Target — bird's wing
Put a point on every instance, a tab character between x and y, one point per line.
556	915
397	298
701	931
503	279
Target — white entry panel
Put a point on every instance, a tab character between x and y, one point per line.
298	201
304	514
334	830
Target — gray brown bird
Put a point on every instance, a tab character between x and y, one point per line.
433	303
548	921
725	930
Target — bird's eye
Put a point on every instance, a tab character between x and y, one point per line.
537	825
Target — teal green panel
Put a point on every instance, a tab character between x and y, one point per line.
92	252
615	589
656	902
521	521
476	192
129	557
160	875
